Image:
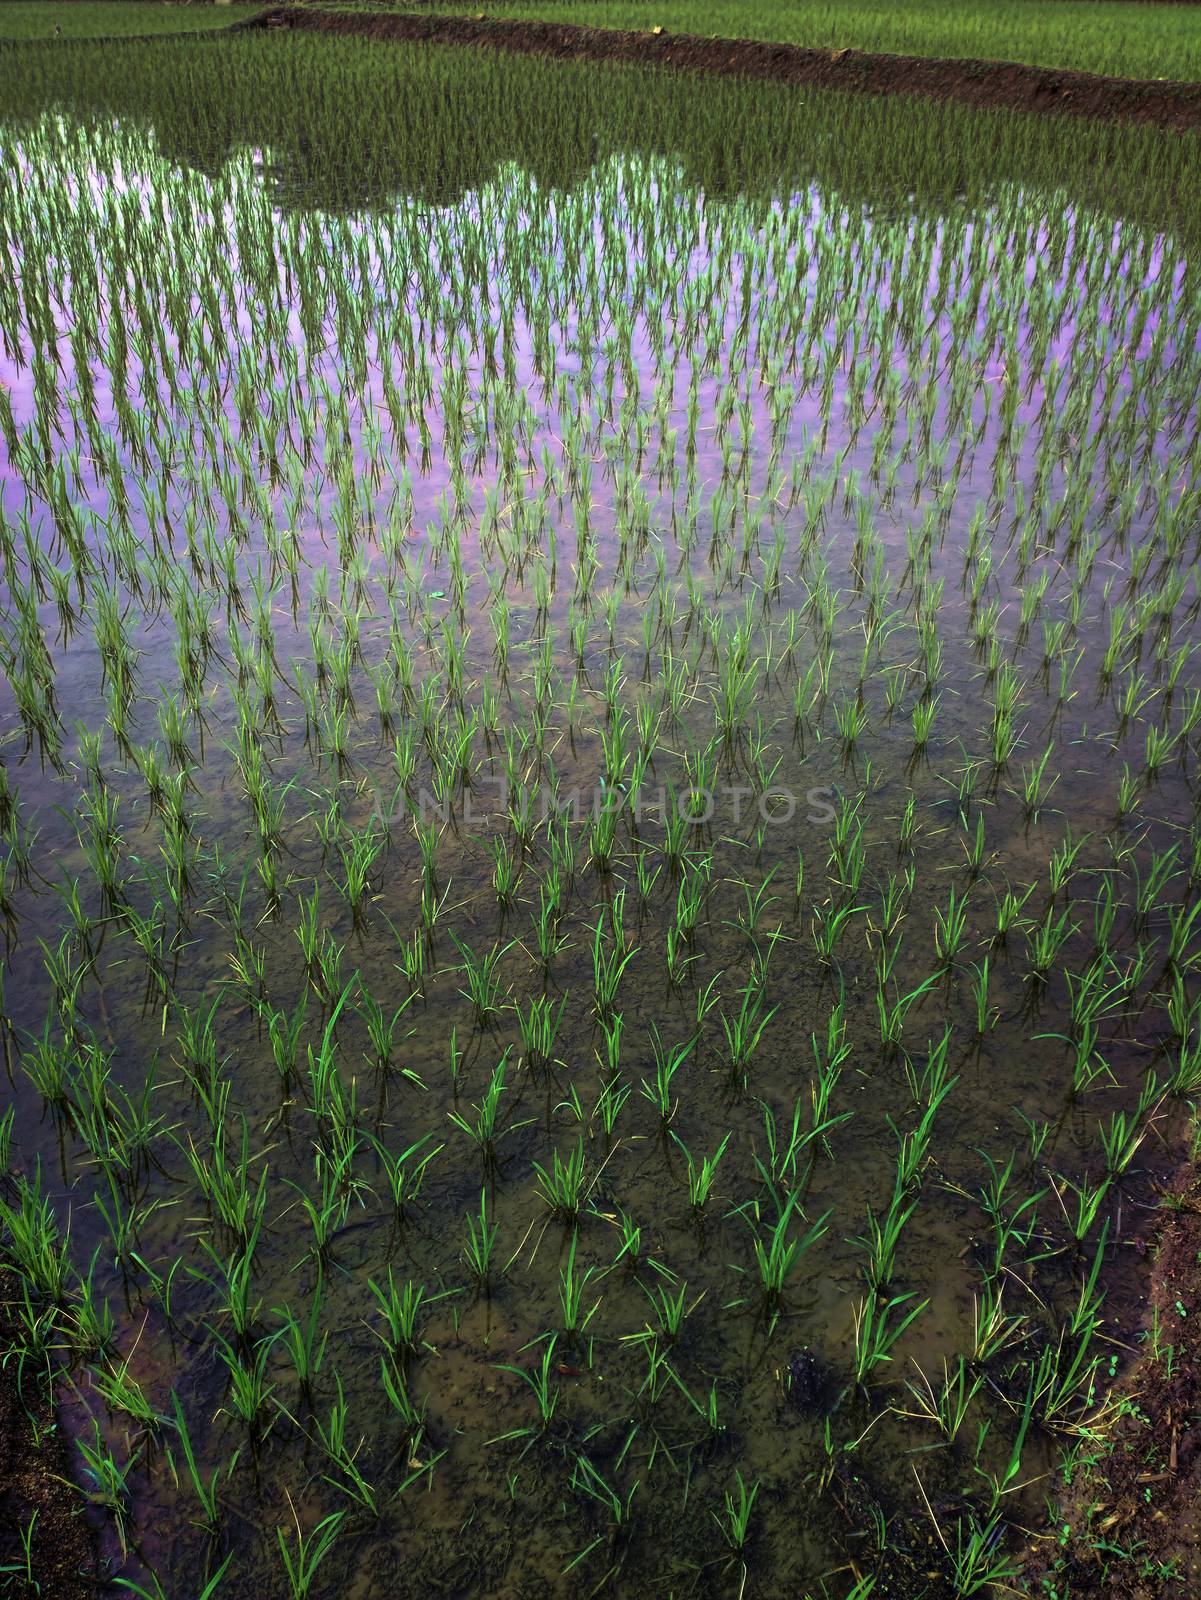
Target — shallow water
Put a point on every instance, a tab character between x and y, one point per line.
774	474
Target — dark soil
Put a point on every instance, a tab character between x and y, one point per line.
993	84
806	1382
35	1481
1129	1526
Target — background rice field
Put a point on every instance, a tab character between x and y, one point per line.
92	19
1106	36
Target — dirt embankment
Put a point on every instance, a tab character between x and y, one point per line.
41	1514
1129	1523
991	84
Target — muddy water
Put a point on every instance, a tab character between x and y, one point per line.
969	434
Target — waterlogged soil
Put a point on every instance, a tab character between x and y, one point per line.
985	84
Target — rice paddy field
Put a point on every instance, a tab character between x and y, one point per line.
1105	36
91	19
601	846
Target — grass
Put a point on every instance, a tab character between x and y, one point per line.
99	19
1104	36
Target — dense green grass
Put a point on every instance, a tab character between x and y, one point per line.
98	19
1109	36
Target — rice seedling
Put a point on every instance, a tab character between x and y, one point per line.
950	927
924	713
575	1315
410	1412
735	1520
405	1172
701	1174
561	1185
777	1258
878	1325
483	979
892	1013
481	1243
205	1489
883	1237
107	1478
300	1340
1046	940
545	1394
659	1090
486	1129
946	1405
744	1031
609	963
303	1554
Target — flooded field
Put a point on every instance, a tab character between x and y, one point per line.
600	816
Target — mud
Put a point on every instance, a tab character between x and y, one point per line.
35	1478
1129	1524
